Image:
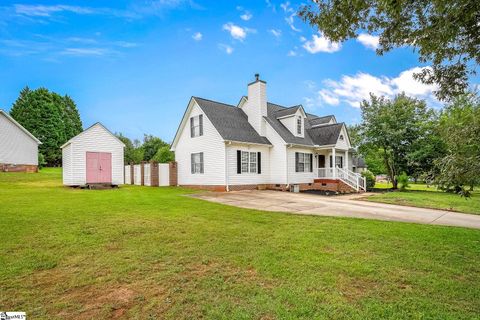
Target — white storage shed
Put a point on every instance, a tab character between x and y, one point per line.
95	156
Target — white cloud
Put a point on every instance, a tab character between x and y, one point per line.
354	89
321	44
277	33
197	36
303	39
286	7
237	32
291	14
85	51
246	16
292	53
226	48
369	41
47	11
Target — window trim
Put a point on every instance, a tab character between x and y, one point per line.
307	163
299	125
249	162
197	168
196	122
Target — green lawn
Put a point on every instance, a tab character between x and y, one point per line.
421	195
151	253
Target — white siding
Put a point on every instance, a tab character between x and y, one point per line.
94	139
344	145
299	177
247	178
277	157
16	147
256	105
212	146
67	165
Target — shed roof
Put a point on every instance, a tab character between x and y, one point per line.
88	129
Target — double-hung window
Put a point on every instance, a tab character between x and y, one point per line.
196	126
197	162
303	162
248	162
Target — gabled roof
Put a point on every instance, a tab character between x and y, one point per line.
320	120
20	126
287	111
230	122
89	128
325	135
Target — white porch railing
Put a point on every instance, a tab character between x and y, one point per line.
354	180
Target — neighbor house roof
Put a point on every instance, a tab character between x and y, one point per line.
20	126
230	122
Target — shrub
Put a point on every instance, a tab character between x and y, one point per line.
403	181
41	161
369	179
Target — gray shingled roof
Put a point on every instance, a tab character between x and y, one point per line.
326	134
231	122
286	111
320	120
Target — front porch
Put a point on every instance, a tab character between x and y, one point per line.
335	165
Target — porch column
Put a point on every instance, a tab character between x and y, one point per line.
334	173
346	161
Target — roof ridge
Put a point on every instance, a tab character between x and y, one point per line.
327	125
225	104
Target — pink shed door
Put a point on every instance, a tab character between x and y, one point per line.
99	167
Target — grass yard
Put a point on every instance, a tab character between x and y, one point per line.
421	195
152	253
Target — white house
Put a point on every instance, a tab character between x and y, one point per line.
258	144
94	156
18	147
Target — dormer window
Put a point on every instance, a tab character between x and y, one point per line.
196	126
299	125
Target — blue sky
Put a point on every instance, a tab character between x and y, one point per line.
133	65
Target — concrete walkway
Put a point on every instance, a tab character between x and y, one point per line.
339	206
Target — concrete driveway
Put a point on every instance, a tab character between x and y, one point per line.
339	206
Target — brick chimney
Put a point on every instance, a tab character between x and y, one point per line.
256	107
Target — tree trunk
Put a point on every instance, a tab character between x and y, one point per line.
395	184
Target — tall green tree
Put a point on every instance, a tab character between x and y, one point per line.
460	130
164	155
132	152
53	119
445	33
394	127
151	145
373	156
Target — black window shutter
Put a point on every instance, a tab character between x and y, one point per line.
192	163
201	162
296	161
311	162
341	162
200	122
331	163
191	127
239	161
259	162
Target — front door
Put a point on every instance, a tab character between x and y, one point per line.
99	167
321	161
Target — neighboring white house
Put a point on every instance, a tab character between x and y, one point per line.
94	156
258	144
18	147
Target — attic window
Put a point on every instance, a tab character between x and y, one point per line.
341	137
299	125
